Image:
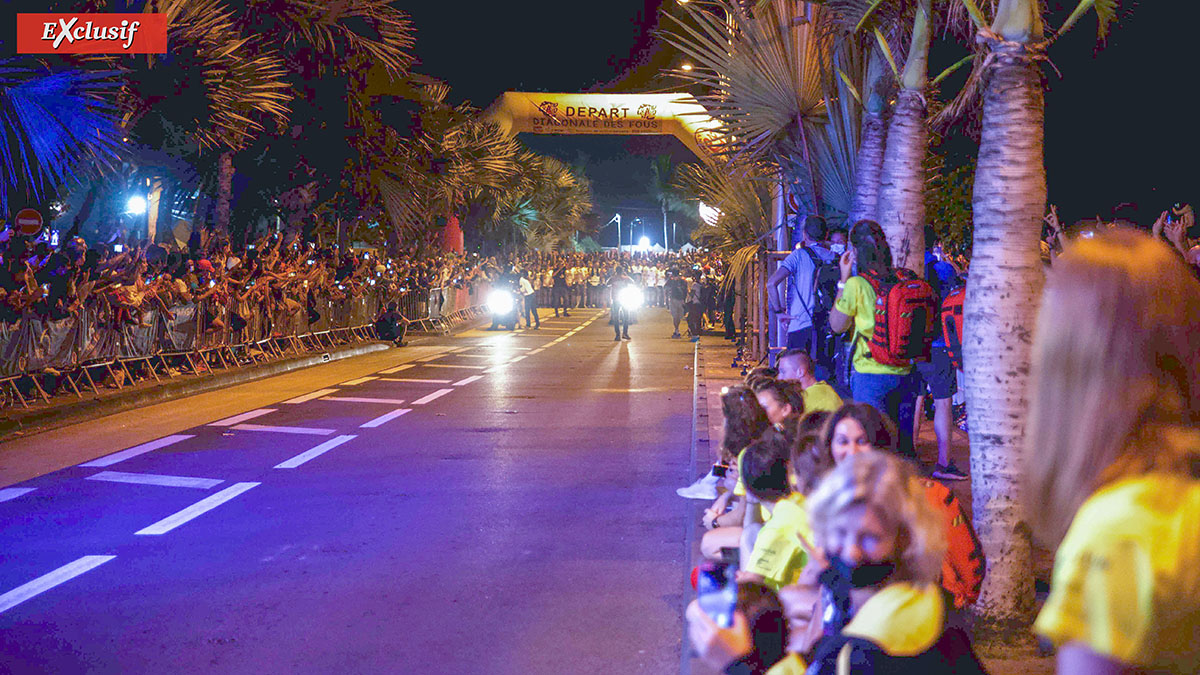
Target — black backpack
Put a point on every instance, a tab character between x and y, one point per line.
825	281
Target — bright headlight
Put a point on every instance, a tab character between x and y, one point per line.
500	302
630	297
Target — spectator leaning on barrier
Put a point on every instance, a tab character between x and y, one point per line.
798	272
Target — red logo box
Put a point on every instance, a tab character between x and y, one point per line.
91	33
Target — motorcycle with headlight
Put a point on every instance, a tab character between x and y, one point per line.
631	298
502	305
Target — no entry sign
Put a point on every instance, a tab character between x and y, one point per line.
28	222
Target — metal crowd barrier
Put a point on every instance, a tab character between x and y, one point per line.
99	345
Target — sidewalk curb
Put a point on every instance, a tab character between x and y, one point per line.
25	423
697	463
20	423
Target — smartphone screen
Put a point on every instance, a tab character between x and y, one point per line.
117	248
717	592
720	470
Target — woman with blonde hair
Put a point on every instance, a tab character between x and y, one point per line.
877	557
1113	456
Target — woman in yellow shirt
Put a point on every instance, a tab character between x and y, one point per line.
1113	456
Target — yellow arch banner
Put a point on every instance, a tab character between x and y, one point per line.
675	114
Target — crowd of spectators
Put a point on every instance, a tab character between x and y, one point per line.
829	549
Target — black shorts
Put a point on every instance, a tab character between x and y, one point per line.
938	374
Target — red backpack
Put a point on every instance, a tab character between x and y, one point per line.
906	318
952	324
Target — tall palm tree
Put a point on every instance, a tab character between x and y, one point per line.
662	189
901	207
868	163
1003	293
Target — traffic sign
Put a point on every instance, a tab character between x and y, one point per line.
28	221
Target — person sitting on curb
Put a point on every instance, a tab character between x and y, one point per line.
391	325
797	365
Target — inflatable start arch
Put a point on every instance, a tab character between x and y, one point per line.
678	115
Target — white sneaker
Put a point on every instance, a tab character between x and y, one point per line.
703	488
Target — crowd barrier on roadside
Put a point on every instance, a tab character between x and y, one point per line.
113	345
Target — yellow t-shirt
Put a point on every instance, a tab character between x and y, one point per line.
858	302
1127	575
778	555
821	396
791	664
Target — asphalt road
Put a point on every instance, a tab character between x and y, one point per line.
504	503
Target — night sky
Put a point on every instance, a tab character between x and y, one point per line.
1120	122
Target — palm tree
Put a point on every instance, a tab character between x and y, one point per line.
663	190
764	71
60	125
1003	294
741	197
901	207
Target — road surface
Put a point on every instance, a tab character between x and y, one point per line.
484	503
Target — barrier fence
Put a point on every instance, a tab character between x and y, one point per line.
110	344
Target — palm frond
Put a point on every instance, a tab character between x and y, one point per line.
57	125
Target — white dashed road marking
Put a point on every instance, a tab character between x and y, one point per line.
432	397
285	430
156	479
412	379
447	365
47	581
385	418
230	421
308	397
137	450
360	380
468	380
198	509
313	453
12	493
363	399
397	369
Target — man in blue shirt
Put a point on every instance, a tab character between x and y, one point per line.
804	320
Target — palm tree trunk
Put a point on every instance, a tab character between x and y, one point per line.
666	242
867	167
901	209
1003	292
224	191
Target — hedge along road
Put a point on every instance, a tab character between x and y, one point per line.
502	503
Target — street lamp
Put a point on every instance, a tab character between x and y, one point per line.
644	243
136	205
687	67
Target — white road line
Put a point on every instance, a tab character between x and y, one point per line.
447	365
412	379
468	380
397	369
435	357
47	581
519	358
363	399
156	479
506	347
199	508
308	397
495	368
313	453
360	380
539	350
12	493
475	356
136	450
230	421
384	418
431	397
285	430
